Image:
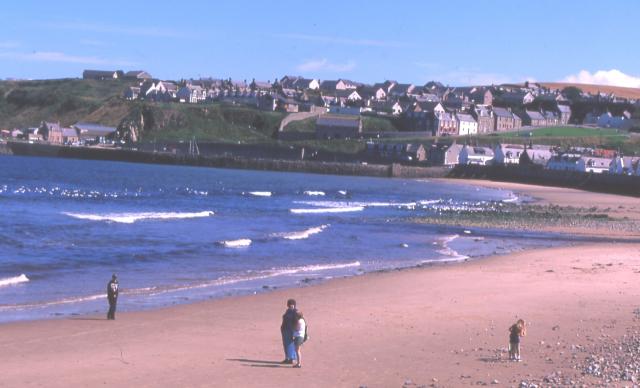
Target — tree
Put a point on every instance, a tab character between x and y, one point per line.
572	93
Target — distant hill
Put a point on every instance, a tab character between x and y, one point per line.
594	89
27	103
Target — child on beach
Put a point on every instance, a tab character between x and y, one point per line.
516	331
299	337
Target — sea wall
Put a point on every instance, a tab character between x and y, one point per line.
4	149
605	183
335	168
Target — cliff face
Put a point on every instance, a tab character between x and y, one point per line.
26	103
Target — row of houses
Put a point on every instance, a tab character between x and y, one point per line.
434	118
582	160
102	75
433	107
80	133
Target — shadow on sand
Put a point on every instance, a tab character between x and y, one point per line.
87	319
492	359
260	363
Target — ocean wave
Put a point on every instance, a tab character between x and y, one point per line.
130	218
327	210
159	290
301	235
260	193
429	201
514	199
240	243
14	280
448	251
342	192
64	301
346	204
260	275
456	259
314	193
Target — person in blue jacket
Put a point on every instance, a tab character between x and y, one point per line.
286	329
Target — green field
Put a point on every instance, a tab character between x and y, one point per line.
306	125
577	132
565	136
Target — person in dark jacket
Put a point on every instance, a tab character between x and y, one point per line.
112	296
286	329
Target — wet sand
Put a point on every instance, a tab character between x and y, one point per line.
443	325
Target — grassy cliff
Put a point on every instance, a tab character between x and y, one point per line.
27	103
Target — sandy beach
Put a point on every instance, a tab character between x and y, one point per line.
444	325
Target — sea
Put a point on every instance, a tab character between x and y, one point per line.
176	234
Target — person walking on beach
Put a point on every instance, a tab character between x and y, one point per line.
516	331
112	296
299	336
286	330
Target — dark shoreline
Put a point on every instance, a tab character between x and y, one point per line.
526	174
233	162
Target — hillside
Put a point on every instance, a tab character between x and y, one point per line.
619	91
27	103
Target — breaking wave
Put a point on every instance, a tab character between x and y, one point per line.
260	193
259	275
240	243
345	209
154	291
130	218
14	280
314	193
448	251
301	235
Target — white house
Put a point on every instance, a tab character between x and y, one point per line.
306	83
624	165
191	94
162	88
576	162
467	125
594	164
397	109
507	153
475	155
538	154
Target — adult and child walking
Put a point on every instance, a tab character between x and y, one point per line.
294	333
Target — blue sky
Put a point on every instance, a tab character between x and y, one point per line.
456	42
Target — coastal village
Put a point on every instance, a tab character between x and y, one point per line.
441	117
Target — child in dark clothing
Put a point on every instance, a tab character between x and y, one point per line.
516	331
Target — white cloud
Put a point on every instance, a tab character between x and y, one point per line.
53	56
611	77
346	41
325	66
